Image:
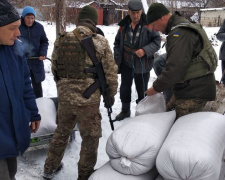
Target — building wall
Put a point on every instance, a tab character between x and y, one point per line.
212	18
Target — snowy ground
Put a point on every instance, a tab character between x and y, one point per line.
30	164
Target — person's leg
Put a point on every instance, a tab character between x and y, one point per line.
66	123
90	131
125	91
37	87
141	82
12	166
183	106
223	71
8	168
126	83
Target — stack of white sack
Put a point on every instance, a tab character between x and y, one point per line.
133	147
106	172
47	111
194	148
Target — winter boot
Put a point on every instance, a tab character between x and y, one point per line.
124	113
49	176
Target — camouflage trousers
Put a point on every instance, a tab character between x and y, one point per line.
89	120
185	106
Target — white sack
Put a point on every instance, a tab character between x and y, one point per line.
194	148
106	172
151	104
47	111
133	147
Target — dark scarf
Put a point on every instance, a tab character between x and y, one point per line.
88	23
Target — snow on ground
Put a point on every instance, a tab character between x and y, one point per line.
30	164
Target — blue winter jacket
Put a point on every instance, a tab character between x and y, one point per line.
19	106
35	43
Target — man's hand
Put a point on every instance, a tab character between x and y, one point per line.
42	58
151	91
34	126
140	53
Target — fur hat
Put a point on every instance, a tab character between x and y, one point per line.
156	11
88	12
28	10
135	5
8	14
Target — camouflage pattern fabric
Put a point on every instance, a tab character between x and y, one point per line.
185	106
74	108
89	120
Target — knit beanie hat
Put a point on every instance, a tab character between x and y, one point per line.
8	13
28	10
88	12
135	5
156	11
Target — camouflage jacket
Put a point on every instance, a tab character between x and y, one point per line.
70	90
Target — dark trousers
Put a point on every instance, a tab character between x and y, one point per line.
37	87
141	83
8	168
223	71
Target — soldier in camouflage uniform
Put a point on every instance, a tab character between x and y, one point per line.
190	62
69	60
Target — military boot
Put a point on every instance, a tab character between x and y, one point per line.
124	113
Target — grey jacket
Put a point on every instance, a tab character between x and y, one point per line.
150	41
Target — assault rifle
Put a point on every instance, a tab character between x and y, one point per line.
100	82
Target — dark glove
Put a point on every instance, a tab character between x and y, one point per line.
109	101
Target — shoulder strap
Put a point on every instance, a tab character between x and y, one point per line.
77	35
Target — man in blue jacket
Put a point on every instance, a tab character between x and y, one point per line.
18	110
134	48
36	45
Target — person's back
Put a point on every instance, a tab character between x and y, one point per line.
71	69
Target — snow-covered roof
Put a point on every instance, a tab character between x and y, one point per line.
213	9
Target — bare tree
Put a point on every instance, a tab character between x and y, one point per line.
60	12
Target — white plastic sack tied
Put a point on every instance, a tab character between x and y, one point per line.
151	104
194	148
133	147
106	172
47	111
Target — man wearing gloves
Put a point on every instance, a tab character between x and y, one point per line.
18	110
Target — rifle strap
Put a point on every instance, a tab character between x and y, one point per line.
77	35
91	89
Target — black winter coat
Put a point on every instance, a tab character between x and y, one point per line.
221	37
35	43
150	41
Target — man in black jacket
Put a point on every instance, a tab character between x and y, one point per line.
134	47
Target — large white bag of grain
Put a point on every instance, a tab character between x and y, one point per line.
133	147
151	104
106	172
47	111
194	148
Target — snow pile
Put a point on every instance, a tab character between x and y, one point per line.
133	147
194	148
47	110
151	104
